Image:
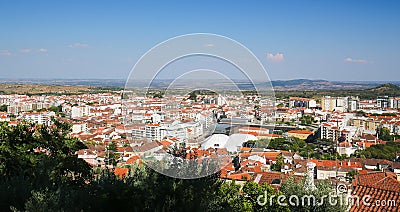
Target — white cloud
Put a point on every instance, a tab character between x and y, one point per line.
25	51
42	50
78	46
351	60
277	57
5	52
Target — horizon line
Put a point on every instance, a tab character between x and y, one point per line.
121	79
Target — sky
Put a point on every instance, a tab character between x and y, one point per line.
331	40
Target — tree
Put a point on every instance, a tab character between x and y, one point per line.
34	158
158	95
252	197
350	175
193	96
3	108
39	171
112	156
297	191
277	166
306	119
56	109
384	134
380	151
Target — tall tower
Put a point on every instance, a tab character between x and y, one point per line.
309	184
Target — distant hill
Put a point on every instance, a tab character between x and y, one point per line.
386	87
306	84
298	82
385	90
278	85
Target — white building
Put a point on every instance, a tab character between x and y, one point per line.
39	117
342	104
79	127
80	111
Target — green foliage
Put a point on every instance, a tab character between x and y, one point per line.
334	156
384	134
360	113
380	151
320	149
112	156
56	180
293	144
252	191
351	174
262	143
158	95
20	153
306	119
56	109
193	96
322	188
3	108
371	93
277	166
34	158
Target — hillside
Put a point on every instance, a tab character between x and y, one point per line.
43	89
369	93
386	89
308	85
283	88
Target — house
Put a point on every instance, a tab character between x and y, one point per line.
88	155
346	148
301	134
383	188
396	167
326	169
4	117
148	148
271	178
374	164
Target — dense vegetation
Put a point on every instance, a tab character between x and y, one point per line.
40	172
311	148
53	90
3	108
384	134
380	151
371	93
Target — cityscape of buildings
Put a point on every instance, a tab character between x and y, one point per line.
227	126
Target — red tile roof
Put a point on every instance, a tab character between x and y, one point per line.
381	186
301	132
121	172
339	164
239	176
133	159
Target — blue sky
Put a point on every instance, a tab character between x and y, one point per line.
333	40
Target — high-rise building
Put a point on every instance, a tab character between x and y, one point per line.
383	102
342	104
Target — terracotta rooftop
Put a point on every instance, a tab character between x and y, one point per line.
381	186
301	132
121	172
